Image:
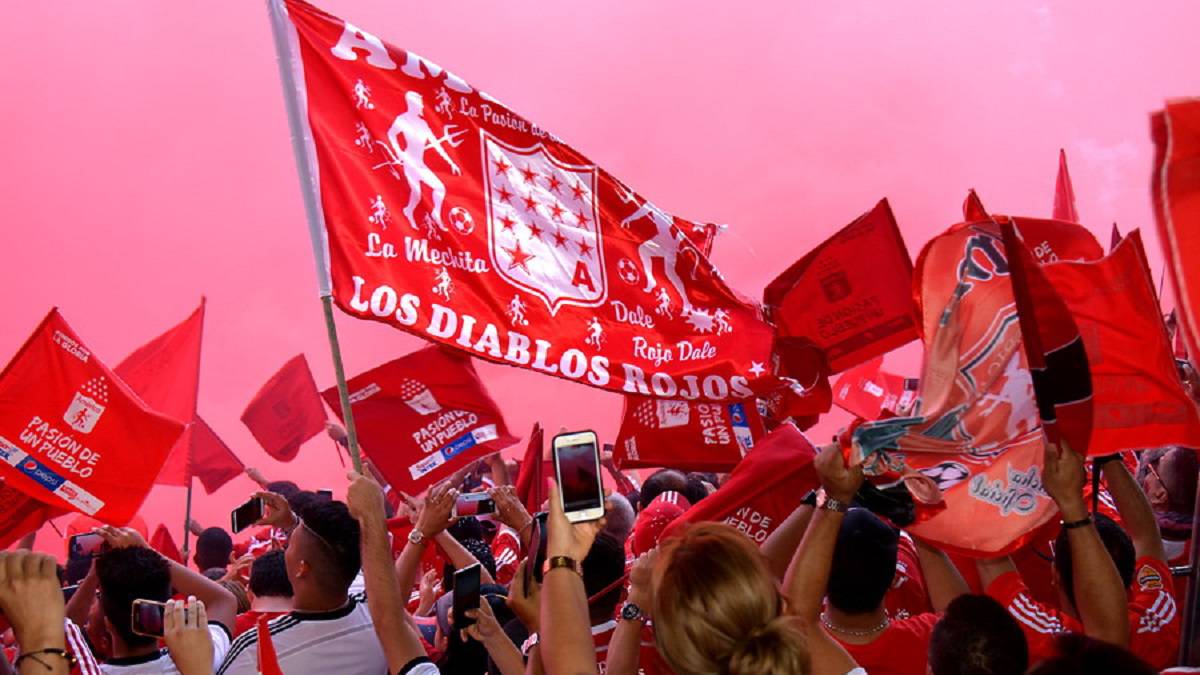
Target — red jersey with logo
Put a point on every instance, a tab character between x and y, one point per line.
506	549
907	596
1154	619
901	649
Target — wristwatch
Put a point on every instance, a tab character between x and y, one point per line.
631	612
416	537
824	501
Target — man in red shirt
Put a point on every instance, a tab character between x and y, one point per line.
1112	586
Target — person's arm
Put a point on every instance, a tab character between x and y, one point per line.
1135	510
781	544
991	570
431	518
257	476
220	604
624	484
80	604
26	542
194	525
487	630
401	645
278	514
31	599
1099	594
566	636
625	647
808	574
942	579
499	470
513	513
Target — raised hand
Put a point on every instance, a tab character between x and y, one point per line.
185	630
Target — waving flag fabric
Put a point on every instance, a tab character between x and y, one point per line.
444	213
286	411
1176	190
686	435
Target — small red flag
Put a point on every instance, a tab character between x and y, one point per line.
72	434
531	477
212	461
868	392
1064	193
973	210
423	416
686	435
286	411
763	489
268	662
164	543
851	295
1114	238
1176	191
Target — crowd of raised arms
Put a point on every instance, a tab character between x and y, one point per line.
364	586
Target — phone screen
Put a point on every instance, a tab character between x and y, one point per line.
466	594
580	481
474	504
148	617
85	546
247	514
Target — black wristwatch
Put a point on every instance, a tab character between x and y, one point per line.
631	612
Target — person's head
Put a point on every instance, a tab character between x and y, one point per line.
1168	477
653	521
283	488
322	556
977	636
1081	654
864	563
125	575
697	486
663	480
717	608
269	577
213	548
602	568
1120	549
619	517
301	500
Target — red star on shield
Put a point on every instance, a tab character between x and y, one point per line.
584	250
559	240
502	166
582	217
529	174
507	222
504	194
553	183
520	257
530	203
577	190
557	210
534	230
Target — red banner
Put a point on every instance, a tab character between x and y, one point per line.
164	543
850	295
286	411
423	416
868	392
210	460
21	514
450	216
764	488
1176	189
72	434
686	435
530	481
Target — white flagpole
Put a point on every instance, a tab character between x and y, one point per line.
290	75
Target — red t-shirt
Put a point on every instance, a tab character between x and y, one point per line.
506	550
1154	619
248	620
901	649
907	596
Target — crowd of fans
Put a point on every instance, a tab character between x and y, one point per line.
365	586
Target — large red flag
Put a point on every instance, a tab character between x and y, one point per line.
444	213
286	411
164	543
763	489
1064	193
530	483
850	295
72	434
21	514
686	435
867	391
1176	189
423	416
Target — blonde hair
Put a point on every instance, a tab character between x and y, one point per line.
717	608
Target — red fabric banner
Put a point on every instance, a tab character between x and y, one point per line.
850	295
450	216
1054	351
423	416
73	435
1114	238
21	514
1064	193
868	392
530	482
211	460
686	435
763	489
286	411
164	543
165	373
1176	189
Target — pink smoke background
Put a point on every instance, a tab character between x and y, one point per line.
146	158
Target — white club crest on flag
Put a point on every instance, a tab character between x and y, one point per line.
543	228
419	397
87	405
663	413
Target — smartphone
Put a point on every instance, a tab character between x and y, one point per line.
326	493
474	504
466	595
577	468
84	546
247	514
535	560
69	592
148	617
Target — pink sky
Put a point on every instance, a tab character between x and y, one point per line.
147	162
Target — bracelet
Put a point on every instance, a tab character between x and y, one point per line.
1076	524
52	651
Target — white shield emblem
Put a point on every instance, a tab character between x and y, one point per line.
87	406
543	229
419	397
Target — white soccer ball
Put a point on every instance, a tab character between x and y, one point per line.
628	271
462	221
